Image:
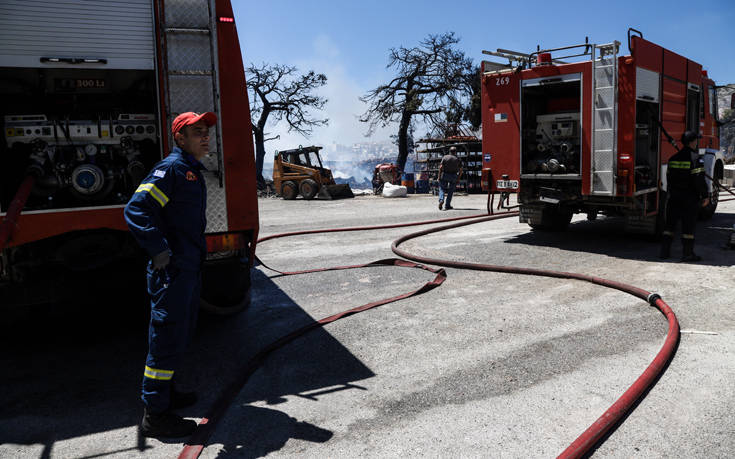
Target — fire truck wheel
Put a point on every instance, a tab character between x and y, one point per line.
308	188
288	190
554	219
561	220
225	286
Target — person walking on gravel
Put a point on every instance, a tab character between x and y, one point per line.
450	169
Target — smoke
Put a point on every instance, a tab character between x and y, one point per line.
342	109
357	160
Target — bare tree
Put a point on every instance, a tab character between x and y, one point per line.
430	78
279	91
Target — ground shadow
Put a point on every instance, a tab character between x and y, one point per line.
607	236
74	369
260	431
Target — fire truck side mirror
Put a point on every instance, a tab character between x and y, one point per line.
732	101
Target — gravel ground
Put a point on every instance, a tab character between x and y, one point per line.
486	365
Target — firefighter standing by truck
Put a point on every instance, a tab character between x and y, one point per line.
167	216
687	192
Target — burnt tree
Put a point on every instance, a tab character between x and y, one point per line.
279	93
429	78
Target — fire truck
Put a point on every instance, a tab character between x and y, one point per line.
584	129
89	90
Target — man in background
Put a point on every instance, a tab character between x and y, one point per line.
450	169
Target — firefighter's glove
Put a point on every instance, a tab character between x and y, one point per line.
161	260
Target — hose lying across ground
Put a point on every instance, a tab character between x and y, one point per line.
578	448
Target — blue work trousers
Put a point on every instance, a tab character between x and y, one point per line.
447	182
174	309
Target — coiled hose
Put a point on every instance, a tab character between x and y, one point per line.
578	448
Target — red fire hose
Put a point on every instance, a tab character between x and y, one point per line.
585	442
581	446
8	225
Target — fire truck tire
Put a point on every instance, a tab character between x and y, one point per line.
308	188
554	219
225	287
289	190
561	220
707	212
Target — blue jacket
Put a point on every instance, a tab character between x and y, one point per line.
168	210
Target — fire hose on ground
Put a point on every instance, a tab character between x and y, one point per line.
583	445
720	187
9	223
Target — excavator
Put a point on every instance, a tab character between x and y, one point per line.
300	172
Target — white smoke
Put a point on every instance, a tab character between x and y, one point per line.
343	110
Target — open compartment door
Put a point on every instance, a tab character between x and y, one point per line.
500	129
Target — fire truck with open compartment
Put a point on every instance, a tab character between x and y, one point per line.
582	129
89	90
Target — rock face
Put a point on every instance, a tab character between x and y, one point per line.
727	114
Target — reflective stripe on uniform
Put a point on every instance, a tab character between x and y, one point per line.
680	164
155	373
698	170
687	236
154	191
668	233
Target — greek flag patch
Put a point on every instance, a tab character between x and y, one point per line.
159	173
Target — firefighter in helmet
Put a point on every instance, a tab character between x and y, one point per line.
687	193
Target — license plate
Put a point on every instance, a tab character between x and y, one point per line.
504	184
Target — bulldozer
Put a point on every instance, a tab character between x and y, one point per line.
300	172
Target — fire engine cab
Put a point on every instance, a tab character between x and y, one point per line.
582	129
89	90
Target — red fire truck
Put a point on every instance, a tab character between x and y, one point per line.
582	129
89	90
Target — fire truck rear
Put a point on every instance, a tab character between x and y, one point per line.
89	90
582	129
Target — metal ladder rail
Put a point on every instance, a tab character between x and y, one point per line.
604	109
176	75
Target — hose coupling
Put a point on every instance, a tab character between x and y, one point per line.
652	298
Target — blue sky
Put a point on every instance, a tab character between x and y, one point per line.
349	41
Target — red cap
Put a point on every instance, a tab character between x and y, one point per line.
189	118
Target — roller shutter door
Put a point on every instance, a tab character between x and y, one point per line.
117	32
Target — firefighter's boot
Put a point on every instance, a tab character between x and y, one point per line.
689	254
665	252
182	399
166	424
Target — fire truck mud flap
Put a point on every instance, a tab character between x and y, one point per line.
336	192
225	286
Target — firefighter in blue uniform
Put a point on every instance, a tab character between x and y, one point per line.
687	193
167	216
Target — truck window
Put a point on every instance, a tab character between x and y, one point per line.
693	108
712	101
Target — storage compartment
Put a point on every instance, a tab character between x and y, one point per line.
551	126
646	145
90	134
